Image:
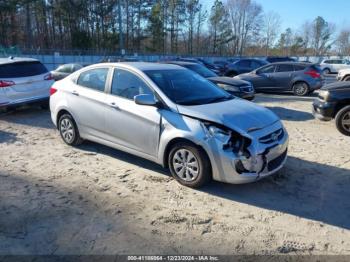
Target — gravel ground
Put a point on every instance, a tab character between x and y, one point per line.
55	199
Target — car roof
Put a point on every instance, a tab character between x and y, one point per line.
143	66
10	60
182	63
291	63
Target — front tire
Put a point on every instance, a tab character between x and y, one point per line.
347	78
300	89
342	121
189	165
69	130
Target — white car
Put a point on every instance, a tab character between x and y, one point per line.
23	81
344	75
329	66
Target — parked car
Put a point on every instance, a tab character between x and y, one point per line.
240	88
334	103
276	59
172	116
65	70
329	66
23	81
344	75
243	66
222	66
115	59
208	65
300	78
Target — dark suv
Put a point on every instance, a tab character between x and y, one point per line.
334	102
243	66
300	78
240	88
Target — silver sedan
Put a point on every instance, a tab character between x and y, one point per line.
172	116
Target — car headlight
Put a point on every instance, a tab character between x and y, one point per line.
213	131
323	94
219	134
229	88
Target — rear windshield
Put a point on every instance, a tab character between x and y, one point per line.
22	69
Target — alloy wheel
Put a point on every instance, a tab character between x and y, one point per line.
67	130
185	165
300	89
346	121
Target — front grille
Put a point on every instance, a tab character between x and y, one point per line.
275	163
272	137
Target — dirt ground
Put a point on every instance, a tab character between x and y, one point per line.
55	199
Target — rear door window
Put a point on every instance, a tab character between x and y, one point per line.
94	79
22	69
299	68
284	68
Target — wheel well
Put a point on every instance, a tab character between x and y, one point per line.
175	141
61	113
345	76
340	107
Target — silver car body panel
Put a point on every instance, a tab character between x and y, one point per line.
146	131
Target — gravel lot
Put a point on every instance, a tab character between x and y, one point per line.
56	199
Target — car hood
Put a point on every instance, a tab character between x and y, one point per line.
228	81
237	114
245	76
336	86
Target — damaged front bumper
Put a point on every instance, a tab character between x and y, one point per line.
266	156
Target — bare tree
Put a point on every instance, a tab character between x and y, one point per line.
245	18
322	32
343	42
271	28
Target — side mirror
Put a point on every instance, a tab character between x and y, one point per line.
146	100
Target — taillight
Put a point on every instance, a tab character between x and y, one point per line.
48	77
52	91
313	74
5	83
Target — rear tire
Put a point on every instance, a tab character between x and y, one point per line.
301	89
69	130
326	71
342	121
189	165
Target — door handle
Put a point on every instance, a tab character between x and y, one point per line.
75	93
114	105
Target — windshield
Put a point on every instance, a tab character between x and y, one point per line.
185	87
201	70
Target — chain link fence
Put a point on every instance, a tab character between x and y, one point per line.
52	58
